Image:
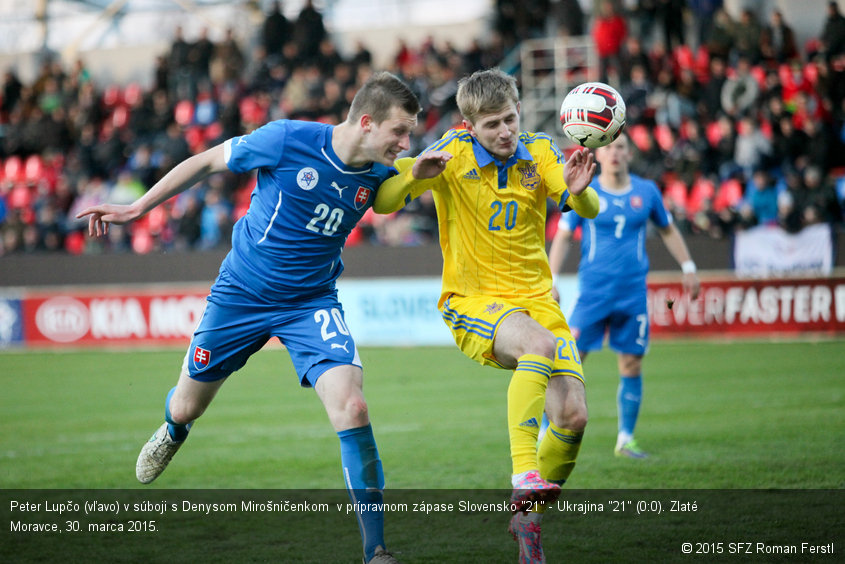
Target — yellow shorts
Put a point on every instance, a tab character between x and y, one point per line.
474	320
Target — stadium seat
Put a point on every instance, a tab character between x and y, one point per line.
132	94
13	170
665	137
355	237
759	74
640	136
684	58
183	113
702	64
75	242
713	133
157	219
675	195
120	117
702	189
20	197
195	139
142	239
112	96
729	195
33	168
213	132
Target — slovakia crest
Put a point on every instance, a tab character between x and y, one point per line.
530	179
636	202
362	196
201	358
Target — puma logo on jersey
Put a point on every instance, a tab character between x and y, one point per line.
242	139
339	189
343	346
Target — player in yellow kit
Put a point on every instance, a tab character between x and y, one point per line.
490	184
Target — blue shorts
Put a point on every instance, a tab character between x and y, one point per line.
233	327
623	318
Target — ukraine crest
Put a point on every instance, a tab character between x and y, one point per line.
530	179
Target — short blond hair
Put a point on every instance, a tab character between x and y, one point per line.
485	92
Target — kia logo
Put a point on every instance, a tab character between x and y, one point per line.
62	319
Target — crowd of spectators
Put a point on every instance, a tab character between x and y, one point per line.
737	123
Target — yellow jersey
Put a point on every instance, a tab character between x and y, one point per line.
491	216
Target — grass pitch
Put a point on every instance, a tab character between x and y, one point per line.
756	425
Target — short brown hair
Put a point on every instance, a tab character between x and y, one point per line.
381	92
485	92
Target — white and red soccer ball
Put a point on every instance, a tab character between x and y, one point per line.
592	114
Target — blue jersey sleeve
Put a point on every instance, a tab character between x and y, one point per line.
659	215
263	148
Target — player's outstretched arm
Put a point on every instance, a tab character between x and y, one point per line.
677	247
411	181
180	178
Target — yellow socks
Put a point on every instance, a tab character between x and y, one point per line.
558	451
526	400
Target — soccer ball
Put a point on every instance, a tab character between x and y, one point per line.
592	114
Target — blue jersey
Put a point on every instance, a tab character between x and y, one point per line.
305	204
613	252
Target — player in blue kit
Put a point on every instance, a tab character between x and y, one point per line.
612	275
315	181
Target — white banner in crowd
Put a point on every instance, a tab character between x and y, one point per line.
769	251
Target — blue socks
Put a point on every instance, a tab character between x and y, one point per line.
364	479
178	431
628	399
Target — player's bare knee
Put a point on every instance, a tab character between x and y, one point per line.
185	411
542	343
355	411
572	418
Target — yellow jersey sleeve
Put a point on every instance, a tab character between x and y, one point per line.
395	192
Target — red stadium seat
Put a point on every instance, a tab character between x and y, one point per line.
120	117
33	168
75	243
759	74
112	96
213	131
355	237
13	169
729	195
702	189
142	240
132	94
684	58
640	136
675	195
195	139
20	197
702	64
713	132
183	113
665	137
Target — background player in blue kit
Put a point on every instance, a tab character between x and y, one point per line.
315	181
612	275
